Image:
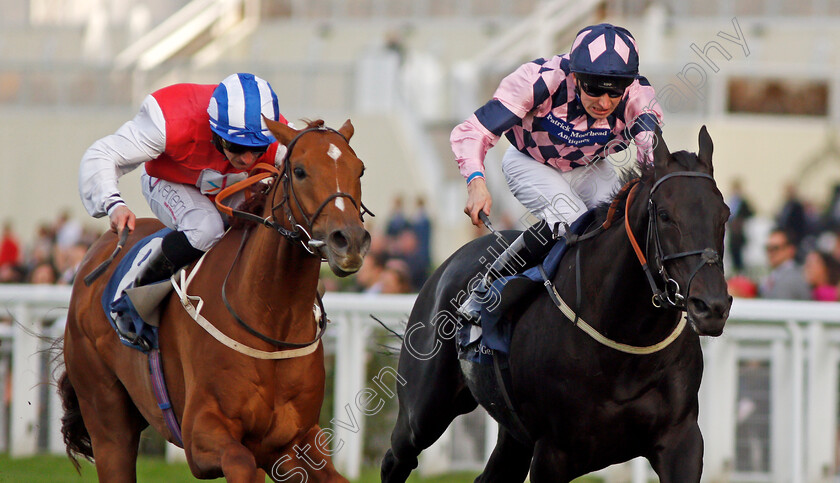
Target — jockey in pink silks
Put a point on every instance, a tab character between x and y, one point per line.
563	116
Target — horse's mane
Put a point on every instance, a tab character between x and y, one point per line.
688	161
257	194
313	123
254	203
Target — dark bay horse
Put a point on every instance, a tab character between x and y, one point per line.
580	406
237	413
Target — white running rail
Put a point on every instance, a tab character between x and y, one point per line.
799	340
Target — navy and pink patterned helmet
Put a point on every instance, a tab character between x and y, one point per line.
605	50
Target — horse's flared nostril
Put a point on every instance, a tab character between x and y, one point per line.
698	306
717	309
365	242
338	241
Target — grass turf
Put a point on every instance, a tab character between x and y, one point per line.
58	469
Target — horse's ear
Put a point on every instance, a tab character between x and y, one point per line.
661	153
282	132
706	148
347	130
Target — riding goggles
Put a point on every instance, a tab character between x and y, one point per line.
598	86
240	149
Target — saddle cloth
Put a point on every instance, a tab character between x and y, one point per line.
140	304
478	343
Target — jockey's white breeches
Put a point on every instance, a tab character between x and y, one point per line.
557	196
183	208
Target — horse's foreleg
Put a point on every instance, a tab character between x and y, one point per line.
308	458
509	462
213	447
549	464
239	465
681	458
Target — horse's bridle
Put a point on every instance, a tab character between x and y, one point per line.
293	234
289	193
670	295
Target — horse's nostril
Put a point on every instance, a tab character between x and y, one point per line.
338	241
697	305
366	242
712	309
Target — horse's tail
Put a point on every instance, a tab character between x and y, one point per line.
76	436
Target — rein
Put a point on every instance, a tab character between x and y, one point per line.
673	299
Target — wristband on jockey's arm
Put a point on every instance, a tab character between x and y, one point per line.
113	203
473	176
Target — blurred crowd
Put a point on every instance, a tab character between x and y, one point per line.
802	249
399	260
53	256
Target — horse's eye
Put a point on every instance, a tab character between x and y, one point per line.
300	173
663	215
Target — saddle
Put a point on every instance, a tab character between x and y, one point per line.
479	343
140	304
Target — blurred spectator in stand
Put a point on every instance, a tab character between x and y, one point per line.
422	226
835	250
396	277
41	249
742	286
394	42
369	277
45	273
9	247
407	248
785	280
822	272
71	261
397	221
791	217
740	211
831	215
68	231
11	273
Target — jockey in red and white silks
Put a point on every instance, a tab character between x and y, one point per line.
562	116
193	141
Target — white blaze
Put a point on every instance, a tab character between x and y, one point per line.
335	153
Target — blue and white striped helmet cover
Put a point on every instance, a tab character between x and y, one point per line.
236	107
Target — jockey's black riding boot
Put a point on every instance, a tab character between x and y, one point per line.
173	253
525	250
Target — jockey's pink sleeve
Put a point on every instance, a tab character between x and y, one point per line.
643	113
513	99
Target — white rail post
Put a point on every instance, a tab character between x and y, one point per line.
781	423
26	374
55	440
348	421
491	436
718	394
798	388
640	470
821	414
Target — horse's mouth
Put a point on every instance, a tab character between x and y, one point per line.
345	249
342	265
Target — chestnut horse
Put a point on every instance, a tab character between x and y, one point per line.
237	413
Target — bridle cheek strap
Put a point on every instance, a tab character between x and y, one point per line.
657	294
